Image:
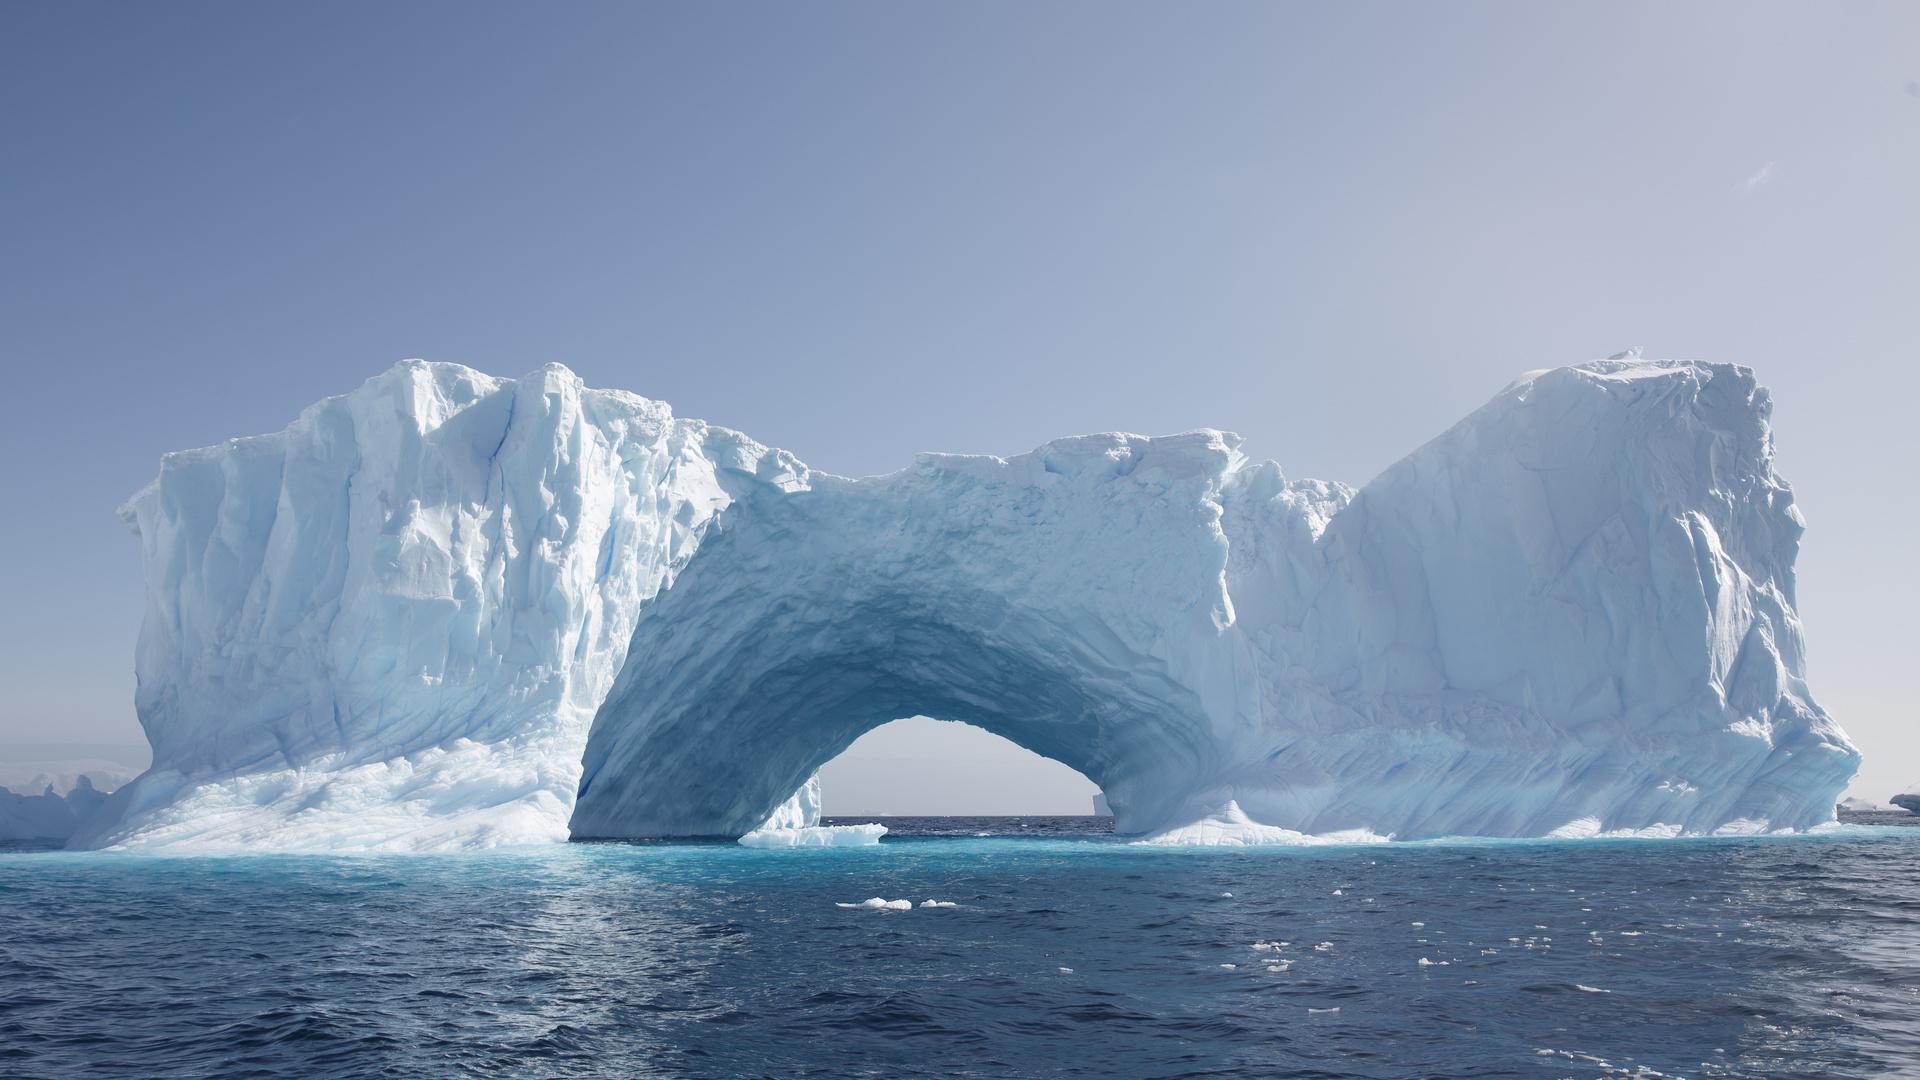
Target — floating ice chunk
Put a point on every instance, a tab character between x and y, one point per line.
1337	892
1227	895
1261	946
1278	969
1325	946
938	903
1418	925
1591	989
1424	962
880	903
1230	967
1319	1012
817	836
1066	971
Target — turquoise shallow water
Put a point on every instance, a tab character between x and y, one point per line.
1794	957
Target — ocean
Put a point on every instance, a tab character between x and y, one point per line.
1067	953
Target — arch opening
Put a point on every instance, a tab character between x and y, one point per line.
707	739
925	767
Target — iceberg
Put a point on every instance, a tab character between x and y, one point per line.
50	815
452	611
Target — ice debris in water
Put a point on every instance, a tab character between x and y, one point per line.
796	823
1424	962
1591	989
448	610
1312	1012
1066	971
880	904
938	903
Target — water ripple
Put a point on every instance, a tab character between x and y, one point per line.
1068	955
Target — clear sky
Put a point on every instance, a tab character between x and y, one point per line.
858	231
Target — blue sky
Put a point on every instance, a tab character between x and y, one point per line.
858	231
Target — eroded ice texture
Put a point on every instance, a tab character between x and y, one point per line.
389	626
393	625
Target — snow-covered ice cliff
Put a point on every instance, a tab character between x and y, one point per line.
448	611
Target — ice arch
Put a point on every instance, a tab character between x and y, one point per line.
812	617
448	610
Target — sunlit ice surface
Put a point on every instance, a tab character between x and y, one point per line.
1068	952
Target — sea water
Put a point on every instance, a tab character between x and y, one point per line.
1066	953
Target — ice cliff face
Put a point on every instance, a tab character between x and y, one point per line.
390	625
450	611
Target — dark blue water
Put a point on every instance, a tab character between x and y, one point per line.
1695	958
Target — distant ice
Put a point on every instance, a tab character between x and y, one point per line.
49	815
